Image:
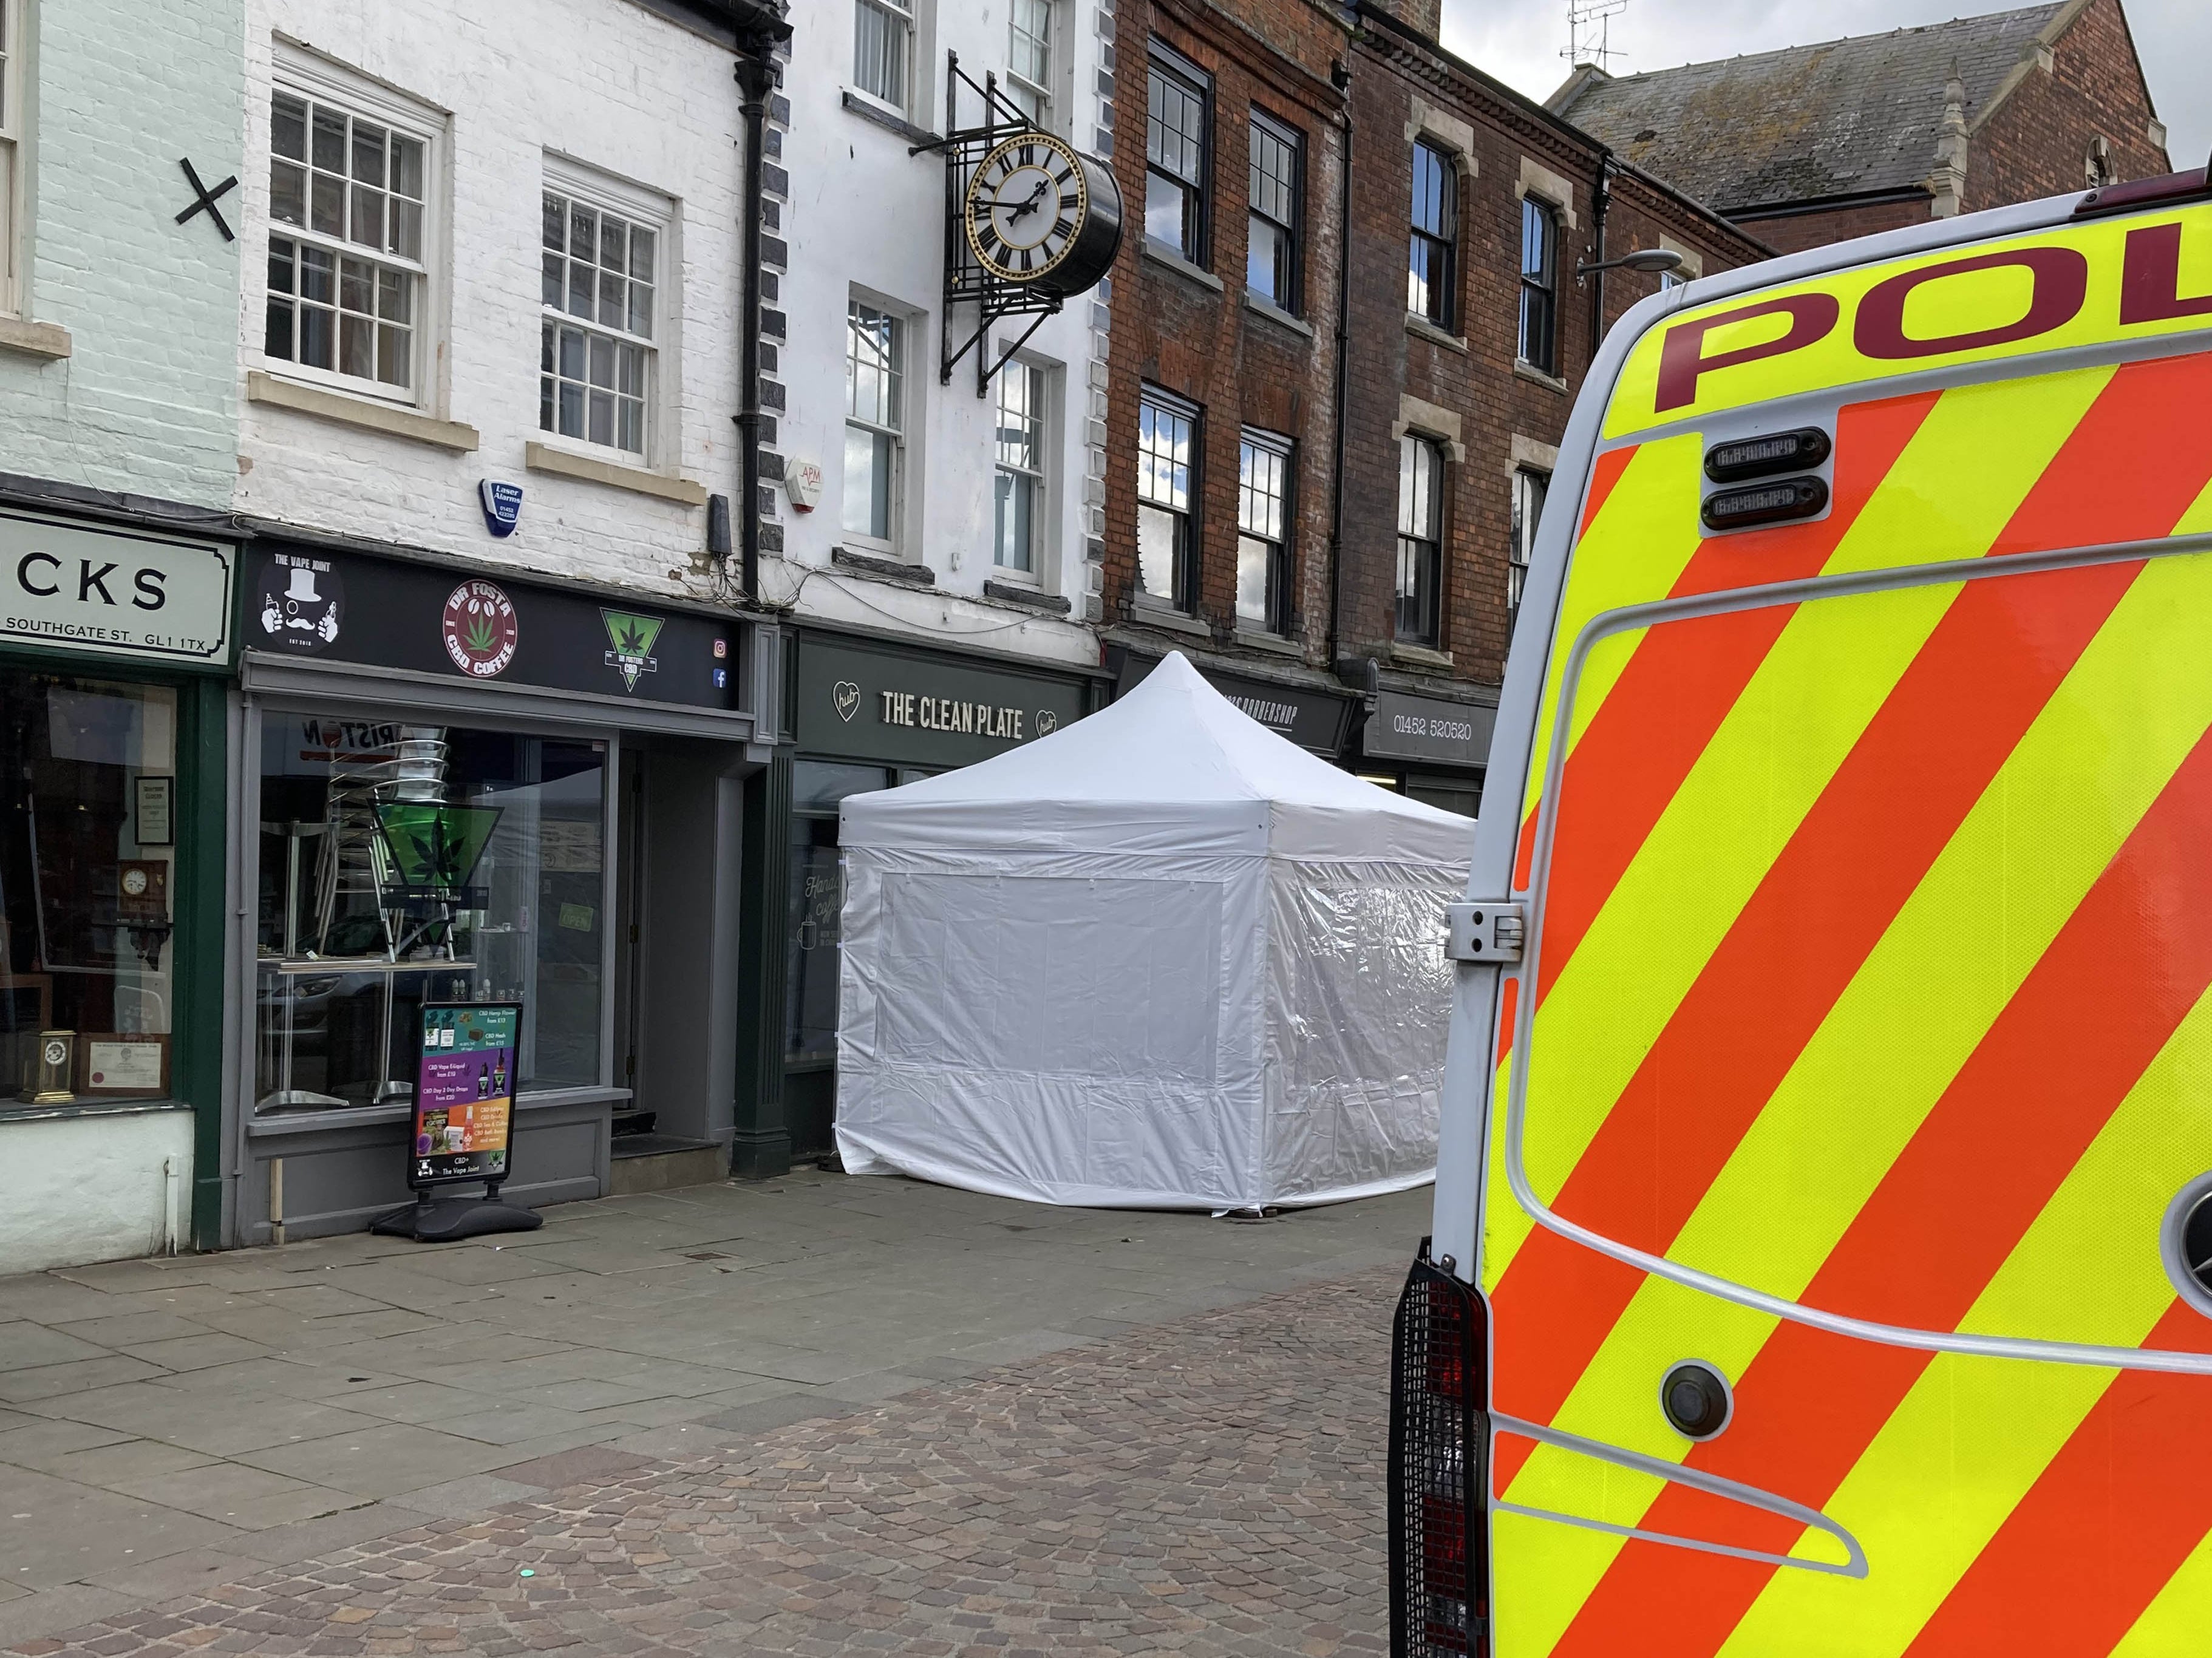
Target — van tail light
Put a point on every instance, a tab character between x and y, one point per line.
1439	1446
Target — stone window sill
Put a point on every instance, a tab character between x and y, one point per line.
543	458
1421	656
1419	324
1169	260
1029	597
1275	314
1150	613
1522	371
890	120
336	406
47	340
1272	642
877	569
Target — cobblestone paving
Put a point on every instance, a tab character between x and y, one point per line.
1207	1487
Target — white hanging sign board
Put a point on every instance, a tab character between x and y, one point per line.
77	587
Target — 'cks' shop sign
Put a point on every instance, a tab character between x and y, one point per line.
74	587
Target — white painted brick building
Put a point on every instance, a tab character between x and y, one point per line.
864	223
617	109
118	362
115	370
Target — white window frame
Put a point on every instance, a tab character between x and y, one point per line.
566	177
12	17
906	12
318	81
1045	93
1183	517
1044	523
903	429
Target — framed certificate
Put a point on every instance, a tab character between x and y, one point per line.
112	1064
156	819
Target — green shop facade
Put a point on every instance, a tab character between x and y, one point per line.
866	711
116	650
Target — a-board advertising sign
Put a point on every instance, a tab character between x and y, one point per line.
465	1092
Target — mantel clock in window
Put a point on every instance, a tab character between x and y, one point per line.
347	263
601	280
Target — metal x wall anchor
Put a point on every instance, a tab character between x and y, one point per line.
207	200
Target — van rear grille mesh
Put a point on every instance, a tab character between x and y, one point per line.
1439	1438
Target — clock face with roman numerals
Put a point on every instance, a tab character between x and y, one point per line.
1027	205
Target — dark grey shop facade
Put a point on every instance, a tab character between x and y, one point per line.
1430	749
866	711
587	758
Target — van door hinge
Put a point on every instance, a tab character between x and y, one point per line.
1487	931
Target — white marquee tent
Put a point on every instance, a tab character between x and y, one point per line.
1161	958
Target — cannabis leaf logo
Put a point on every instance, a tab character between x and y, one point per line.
631	638
481	637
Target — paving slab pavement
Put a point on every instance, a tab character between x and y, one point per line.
1210	1486
168	1427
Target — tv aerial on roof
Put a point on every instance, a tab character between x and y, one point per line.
1589	31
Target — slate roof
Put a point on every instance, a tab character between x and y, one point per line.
1845	118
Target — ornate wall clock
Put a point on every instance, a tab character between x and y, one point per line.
1042	214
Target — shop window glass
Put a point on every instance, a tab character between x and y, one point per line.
401	864
87	888
816	900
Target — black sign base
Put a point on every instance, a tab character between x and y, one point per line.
446	1220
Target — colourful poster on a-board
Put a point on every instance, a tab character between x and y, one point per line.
465	1091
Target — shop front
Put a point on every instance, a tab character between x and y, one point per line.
115	650
871	712
1427	748
461	786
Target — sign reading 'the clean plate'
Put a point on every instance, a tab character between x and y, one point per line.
80	588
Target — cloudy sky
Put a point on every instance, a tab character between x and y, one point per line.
1520	41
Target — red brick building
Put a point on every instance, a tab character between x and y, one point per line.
1815	144
1337	387
1222	406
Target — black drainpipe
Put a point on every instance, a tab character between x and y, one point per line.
759	32
1341	74
1600	198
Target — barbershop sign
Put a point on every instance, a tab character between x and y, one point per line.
74	587
916	709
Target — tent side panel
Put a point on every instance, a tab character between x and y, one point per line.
1361	999
1054	1025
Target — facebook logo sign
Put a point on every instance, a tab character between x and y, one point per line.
722	679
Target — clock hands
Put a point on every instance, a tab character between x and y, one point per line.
1031	205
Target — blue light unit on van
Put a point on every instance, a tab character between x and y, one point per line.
1762	457
1765	503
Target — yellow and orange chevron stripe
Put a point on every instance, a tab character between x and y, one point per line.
1875	975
